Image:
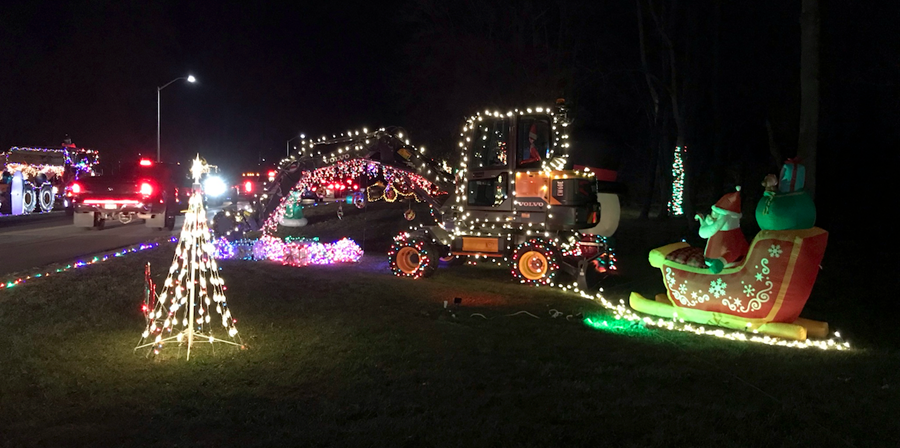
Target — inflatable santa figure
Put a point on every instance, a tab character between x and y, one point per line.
726	245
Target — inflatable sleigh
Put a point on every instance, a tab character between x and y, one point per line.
765	293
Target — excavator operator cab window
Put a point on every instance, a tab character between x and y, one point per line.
490	149
491	192
534	142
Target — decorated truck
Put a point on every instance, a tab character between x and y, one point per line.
148	190
36	179
515	197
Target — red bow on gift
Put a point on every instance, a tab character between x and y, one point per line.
794	161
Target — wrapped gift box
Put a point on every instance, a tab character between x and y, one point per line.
793	176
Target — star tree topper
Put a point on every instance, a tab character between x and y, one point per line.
198	167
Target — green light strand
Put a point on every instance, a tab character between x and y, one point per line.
677	201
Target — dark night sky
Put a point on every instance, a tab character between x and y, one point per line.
267	72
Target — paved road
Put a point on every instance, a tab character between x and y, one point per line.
28	244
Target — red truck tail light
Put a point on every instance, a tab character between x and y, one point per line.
112	201
76	188
248	186
146	189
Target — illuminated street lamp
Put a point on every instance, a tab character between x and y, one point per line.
288	144
189	78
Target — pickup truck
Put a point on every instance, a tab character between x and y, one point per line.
152	191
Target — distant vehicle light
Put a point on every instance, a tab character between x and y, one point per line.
76	189
248	186
146	189
214	186
146	162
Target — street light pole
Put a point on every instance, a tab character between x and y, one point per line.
189	78
157	123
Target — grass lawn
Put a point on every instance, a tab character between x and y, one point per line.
349	355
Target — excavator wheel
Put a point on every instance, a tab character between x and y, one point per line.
535	262
413	257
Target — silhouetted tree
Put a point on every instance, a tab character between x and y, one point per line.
809	91
666	83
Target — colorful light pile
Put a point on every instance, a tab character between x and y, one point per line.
307	253
296	252
228	250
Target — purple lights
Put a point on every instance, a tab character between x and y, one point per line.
292	253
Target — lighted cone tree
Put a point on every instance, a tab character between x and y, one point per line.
192	289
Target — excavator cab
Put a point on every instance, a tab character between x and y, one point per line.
491	160
516	199
510	176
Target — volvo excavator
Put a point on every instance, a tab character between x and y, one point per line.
514	197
